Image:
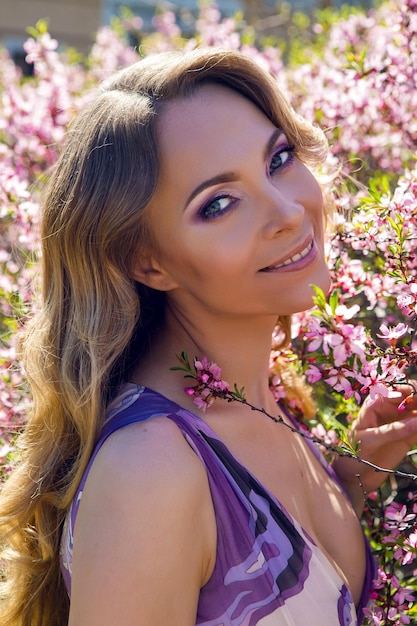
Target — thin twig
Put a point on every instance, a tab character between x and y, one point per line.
231	397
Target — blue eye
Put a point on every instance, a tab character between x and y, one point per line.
216	207
283	157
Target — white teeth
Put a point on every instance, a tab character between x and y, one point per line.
296	257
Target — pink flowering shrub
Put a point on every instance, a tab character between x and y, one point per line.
354	75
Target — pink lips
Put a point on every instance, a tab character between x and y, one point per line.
297	261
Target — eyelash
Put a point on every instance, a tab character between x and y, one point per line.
290	158
203	213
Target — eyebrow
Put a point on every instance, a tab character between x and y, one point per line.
228	177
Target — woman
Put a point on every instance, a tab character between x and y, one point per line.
182	214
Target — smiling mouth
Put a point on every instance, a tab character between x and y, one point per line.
297	257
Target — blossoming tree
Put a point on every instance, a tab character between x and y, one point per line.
356	76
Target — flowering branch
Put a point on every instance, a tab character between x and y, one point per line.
209	386
365	96
392	533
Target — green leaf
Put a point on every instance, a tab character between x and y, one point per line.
334	301
40	28
239	392
319	299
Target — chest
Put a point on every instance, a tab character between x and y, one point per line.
285	465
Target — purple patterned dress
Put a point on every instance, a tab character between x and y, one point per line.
268	571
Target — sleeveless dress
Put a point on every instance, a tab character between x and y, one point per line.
268	571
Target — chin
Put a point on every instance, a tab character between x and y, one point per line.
325	283
305	301
321	278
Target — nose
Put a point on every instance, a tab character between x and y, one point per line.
282	211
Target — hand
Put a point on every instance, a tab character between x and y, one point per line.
385	435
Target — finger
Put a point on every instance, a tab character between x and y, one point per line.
404	430
379	411
407	390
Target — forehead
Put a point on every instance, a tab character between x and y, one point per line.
208	125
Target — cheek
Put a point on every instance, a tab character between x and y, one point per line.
307	184
207	257
313	201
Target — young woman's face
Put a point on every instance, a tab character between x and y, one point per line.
237	220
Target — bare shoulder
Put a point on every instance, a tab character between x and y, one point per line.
149	451
150	459
144	541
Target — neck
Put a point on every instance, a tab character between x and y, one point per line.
239	345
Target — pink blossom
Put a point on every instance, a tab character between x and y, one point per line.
393	333
360	87
315	332
374	385
328	436
396	516
313	374
277	388
338	379
343	312
209	384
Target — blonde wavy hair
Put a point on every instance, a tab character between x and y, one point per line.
94	320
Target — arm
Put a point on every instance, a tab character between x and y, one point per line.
385	435
145	535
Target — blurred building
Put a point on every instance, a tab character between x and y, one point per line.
74	22
71	21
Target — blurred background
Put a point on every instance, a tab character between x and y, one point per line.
74	22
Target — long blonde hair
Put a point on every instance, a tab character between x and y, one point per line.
94	319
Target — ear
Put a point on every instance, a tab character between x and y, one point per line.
148	271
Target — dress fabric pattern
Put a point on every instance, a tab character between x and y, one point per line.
268	571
